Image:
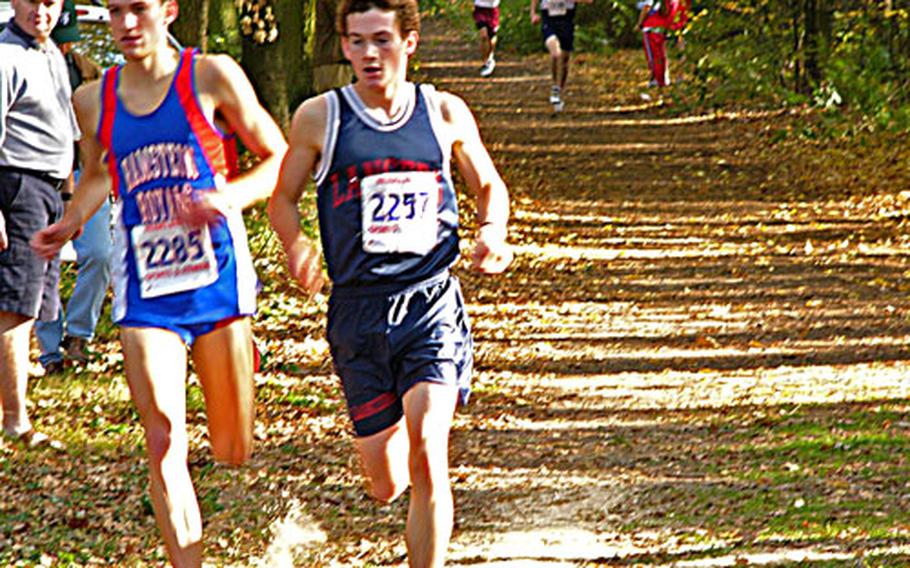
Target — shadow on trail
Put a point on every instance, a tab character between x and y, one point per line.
806	553
733	471
685	345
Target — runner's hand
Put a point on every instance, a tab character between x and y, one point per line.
48	241
305	265
204	208
492	254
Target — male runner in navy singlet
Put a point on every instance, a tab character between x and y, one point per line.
379	151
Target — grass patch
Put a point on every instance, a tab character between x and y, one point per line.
804	474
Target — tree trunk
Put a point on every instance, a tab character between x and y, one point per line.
812	18
297	17
330	68
223	30
281	71
797	48
264	65
191	26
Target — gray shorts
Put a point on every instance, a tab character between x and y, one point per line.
28	283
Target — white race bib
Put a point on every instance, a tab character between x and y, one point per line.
557	7
172	257
400	212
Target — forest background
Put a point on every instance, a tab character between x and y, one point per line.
849	58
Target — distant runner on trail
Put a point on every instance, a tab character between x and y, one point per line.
486	18
656	18
157	131
380	151
557	19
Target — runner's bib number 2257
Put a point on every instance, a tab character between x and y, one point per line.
400	212
172	257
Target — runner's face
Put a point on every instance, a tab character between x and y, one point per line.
37	17
376	49
139	27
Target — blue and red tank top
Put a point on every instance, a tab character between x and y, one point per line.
388	212
164	270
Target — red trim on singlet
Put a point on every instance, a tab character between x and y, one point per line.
216	147
373	407
232	156
106	126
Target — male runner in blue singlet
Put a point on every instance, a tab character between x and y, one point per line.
380	151
157	131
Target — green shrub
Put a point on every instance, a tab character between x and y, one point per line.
755	52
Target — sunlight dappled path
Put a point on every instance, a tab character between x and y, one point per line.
672	314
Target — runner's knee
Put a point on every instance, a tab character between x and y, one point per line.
553	47
426	463
162	440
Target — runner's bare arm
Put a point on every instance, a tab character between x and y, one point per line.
492	254
535	17
94	182
4	242
306	136
225	89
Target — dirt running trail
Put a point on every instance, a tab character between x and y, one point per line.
659	290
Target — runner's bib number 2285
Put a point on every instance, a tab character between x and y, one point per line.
400	212
172	257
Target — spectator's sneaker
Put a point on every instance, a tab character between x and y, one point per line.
554	96
488	67
76	349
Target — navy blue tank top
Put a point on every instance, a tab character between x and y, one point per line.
388	213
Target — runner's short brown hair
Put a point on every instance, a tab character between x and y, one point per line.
407	13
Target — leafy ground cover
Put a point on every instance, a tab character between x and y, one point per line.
698	359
